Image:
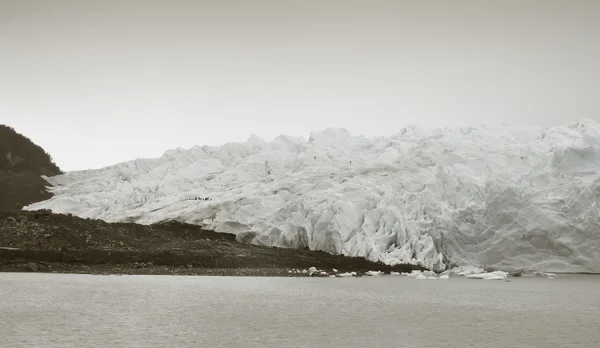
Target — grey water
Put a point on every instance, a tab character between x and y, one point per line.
59	310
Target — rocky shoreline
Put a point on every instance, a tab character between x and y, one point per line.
41	241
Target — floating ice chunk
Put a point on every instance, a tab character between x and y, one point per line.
335	270
304	271
466	270
420	277
344	275
332	276
432	278
429	273
322	274
544	274
395	273
444	277
353	274
415	274
373	273
496	275
312	271
500	274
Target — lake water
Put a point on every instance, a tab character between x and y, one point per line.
58	310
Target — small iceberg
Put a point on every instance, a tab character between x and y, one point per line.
344	275
373	273
545	274
466	270
496	275
415	274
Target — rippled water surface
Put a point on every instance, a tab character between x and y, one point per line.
57	310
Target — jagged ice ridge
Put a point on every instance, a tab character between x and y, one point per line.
504	197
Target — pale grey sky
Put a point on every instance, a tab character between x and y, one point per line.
99	82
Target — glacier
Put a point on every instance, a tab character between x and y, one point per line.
505	197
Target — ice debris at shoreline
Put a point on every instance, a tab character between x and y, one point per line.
468	272
501	197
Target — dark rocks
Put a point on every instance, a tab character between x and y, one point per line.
32	267
22	219
71	242
41	213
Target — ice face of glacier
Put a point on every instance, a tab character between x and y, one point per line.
503	197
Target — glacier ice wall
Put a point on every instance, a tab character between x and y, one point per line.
505	197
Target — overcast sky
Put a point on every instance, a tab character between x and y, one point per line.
100	82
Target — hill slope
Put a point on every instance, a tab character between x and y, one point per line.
504	197
21	164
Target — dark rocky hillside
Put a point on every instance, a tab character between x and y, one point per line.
19	154
22	163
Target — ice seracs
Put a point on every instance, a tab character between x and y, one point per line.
503	197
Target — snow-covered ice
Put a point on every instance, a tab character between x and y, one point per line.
502	197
